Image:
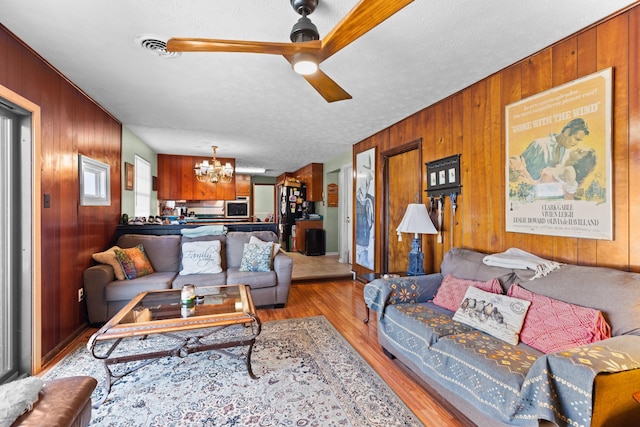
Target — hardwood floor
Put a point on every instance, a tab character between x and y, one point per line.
341	302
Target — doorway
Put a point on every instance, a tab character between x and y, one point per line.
403	185
264	202
19	293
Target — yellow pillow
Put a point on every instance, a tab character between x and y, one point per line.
109	257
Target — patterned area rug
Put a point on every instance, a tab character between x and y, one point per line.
309	375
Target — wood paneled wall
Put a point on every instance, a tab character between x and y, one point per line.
471	123
72	124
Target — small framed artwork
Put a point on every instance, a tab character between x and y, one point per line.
444	176
128	175
154	183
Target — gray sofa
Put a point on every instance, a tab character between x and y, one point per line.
495	383
105	295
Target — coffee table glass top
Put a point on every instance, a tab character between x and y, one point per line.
161	311
163	305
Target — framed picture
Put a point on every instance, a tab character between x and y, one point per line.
128	175
558	160
443	176
95	183
365	208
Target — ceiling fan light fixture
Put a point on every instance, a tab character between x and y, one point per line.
305	63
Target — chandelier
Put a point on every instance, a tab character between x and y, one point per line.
213	172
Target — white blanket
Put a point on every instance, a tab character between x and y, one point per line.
519	259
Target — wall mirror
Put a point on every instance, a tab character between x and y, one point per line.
94	177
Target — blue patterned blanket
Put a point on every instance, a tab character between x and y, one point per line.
516	385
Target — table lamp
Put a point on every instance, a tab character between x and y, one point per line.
416	220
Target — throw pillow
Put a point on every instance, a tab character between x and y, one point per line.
552	325
18	397
109	257
500	316
201	258
276	246
451	292
134	262
256	257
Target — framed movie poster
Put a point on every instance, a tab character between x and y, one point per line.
365	208
558	160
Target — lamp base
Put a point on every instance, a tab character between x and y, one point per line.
416	258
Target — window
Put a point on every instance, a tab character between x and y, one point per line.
95	189
142	187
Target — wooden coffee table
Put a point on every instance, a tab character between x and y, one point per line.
160	312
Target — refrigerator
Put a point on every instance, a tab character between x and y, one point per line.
291	206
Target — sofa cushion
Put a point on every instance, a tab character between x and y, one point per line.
254	279
201	258
256	257
217	279
134	262
614	292
109	257
467	264
552	325
500	316
18	397
451	291
163	251
121	290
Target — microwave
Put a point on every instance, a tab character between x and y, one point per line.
236	209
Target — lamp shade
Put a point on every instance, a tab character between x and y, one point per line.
416	220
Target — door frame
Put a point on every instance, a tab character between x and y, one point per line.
384	206
31	167
346	214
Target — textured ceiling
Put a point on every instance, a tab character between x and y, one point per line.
254	107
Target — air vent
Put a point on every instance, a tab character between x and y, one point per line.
155	45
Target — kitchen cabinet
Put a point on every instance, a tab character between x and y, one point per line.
312	175
302	225
243	185
177	181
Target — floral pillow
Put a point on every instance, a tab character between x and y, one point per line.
500	316
134	262
552	325
256	257
451	291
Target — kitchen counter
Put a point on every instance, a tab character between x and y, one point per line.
162	229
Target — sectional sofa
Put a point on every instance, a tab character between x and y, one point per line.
495	383
105	294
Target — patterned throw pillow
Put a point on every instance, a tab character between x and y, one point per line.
256	257
201	258
552	325
500	316
134	262
109	257
451	292
274	252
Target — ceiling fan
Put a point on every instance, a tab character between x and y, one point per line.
306	51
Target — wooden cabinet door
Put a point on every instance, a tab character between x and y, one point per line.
243	185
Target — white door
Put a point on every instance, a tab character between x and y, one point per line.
346	215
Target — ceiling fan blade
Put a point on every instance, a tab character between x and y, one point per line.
326	87
364	16
213	45
329	89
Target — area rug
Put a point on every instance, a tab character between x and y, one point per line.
309	375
